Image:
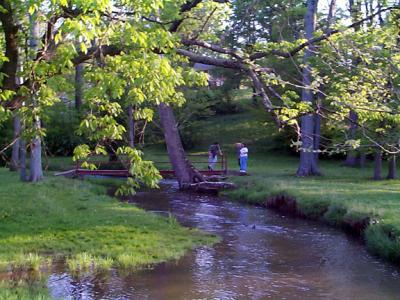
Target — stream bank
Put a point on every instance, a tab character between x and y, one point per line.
381	239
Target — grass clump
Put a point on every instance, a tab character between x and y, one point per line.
21	290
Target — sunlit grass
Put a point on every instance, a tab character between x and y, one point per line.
76	220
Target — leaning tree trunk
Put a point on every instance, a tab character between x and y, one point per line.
392	172
184	171
131	127
36	171
308	164
378	165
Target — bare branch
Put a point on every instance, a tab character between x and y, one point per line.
212	47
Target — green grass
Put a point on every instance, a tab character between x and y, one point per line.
76	220
21	290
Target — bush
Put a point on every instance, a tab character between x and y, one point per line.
335	214
61	123
384	240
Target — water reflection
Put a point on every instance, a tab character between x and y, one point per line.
262	256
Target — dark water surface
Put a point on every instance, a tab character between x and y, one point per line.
262	256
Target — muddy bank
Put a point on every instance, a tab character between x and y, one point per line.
379	240
289	206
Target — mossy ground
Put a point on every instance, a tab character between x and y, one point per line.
76	220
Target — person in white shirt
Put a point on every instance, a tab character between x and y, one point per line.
244	151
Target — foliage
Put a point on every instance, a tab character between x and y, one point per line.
128	58
359	72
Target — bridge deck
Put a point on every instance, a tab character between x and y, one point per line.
125	173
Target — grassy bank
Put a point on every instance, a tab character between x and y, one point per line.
75	220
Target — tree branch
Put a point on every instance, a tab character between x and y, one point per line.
320	38
219	62
189	5
212	47
9	68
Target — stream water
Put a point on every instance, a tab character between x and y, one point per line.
263	255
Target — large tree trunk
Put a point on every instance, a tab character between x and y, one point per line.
36	171
35	166
184	171
254	96
131	127
308	164
351	158
14	164
78	86
392	172
378	165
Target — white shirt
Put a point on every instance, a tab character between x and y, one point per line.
244	151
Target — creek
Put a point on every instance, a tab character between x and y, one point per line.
262	255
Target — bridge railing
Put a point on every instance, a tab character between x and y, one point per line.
199	160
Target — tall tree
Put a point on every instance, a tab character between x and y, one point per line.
308	164
35	165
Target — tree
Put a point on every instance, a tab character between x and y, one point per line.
35	166
308	163
145	46
133	48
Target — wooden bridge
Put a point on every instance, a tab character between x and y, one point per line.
119	168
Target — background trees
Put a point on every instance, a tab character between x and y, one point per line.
137	56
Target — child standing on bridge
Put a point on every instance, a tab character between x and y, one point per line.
244	151
213	153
